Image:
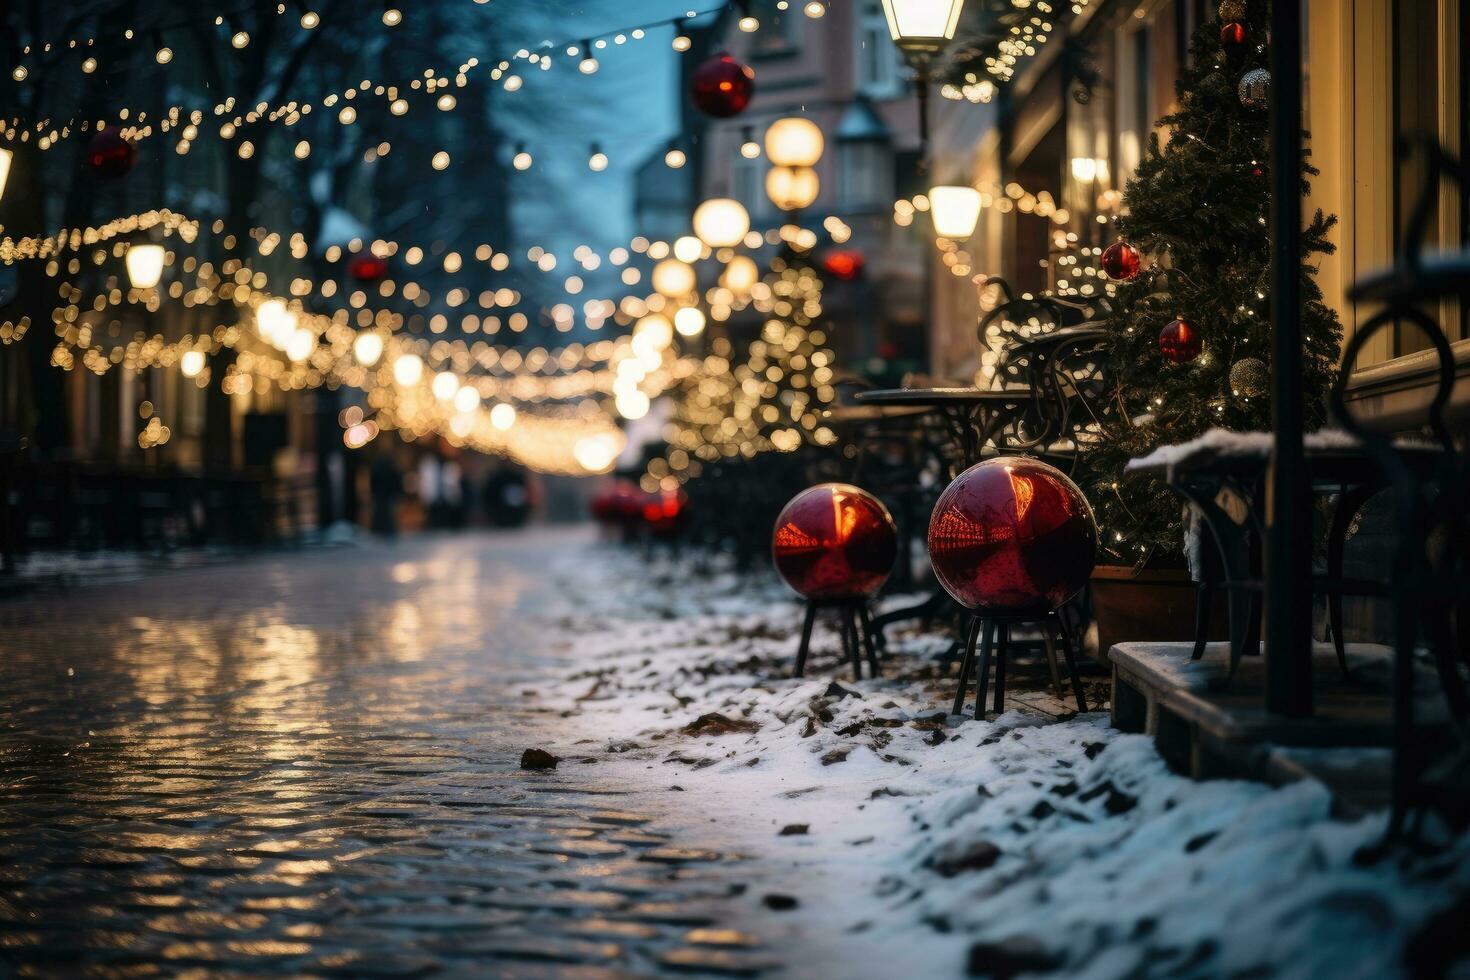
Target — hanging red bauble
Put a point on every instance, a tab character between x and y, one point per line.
1180	342
1232	35
722	87
846	265
1121	261
110	154
1012	536
366	267
835	541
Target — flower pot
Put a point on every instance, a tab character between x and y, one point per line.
1148	604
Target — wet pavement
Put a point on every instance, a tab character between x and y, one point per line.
308	764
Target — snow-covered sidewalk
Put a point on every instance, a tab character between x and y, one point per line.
916	842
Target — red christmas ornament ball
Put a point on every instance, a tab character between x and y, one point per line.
722	87
835	541
1180	342
1233	34
1121	261
366	267
1012	536
110	154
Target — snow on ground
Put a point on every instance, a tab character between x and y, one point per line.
917	842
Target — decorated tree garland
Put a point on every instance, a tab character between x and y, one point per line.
1190	341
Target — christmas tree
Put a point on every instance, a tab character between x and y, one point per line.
1190	339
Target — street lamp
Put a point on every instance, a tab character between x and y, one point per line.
794	142
792	188
721	222
955	210
922	27
145	265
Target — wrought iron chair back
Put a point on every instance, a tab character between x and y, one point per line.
1423	588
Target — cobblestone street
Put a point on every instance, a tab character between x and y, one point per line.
309	763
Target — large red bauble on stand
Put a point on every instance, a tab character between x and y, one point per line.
109	154
1012	537
835	541
722	87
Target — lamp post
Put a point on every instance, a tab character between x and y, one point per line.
922	29
793	145
721	222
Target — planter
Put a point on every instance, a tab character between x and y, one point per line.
1148	604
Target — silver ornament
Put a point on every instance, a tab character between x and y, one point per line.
1255	89
1250	377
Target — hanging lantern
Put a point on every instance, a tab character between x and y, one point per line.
721	222
673	278
110	154
922	26
145	265
792	188
794	142
722	87
5	159
955	210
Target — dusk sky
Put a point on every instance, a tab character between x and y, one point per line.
628	107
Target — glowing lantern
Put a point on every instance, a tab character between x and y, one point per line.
924	26
794	142
955	210
721	222
792	188
145	265
5	158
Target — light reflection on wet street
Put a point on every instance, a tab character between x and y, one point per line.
308	763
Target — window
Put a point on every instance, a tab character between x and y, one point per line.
1135	114
877	63
780	30
1378	70
864	175
749	180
